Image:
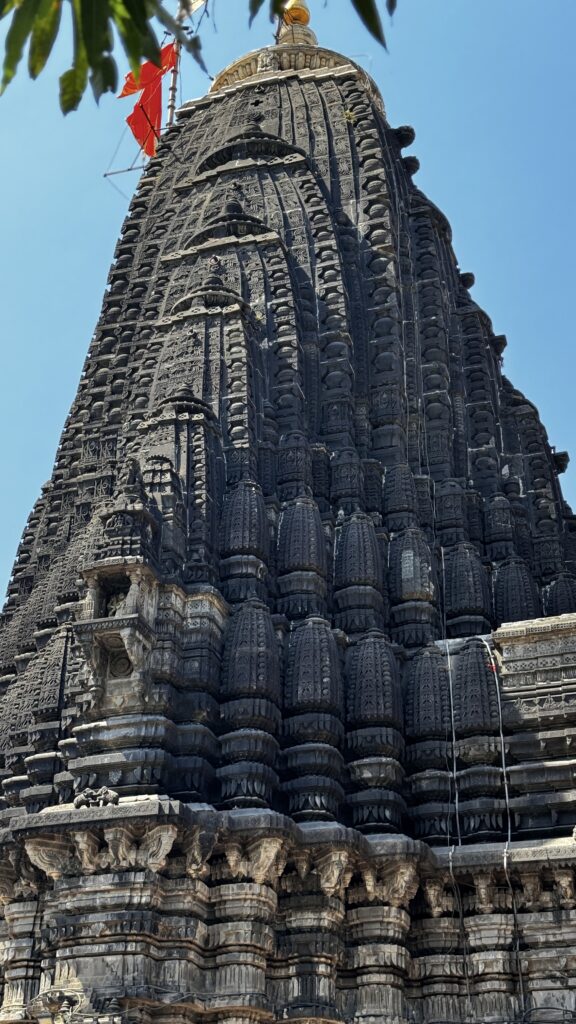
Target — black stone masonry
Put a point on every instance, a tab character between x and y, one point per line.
288	659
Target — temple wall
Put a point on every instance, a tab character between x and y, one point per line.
287	660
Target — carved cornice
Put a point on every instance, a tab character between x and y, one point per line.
278	59
264	848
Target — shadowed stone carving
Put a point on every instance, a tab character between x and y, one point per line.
287	661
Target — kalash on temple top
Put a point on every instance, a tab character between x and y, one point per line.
296	49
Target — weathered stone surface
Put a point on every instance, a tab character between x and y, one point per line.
262	755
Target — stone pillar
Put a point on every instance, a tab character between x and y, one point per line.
242	938
21	966
380	961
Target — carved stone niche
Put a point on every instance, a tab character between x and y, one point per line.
115	632
106	594
114	592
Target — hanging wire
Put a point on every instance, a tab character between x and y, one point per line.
174	154
454	778
462	928
116	187
205	14
108	170
115	153
453	773
509	826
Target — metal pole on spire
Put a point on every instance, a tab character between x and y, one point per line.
185	9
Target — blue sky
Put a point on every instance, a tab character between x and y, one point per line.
490	88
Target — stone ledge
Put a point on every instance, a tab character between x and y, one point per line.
493	854
534	628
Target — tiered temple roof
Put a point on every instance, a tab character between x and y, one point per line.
288	655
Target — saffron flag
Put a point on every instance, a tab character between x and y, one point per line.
146	119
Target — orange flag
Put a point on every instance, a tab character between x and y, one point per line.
146	119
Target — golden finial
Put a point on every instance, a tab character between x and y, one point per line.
296	13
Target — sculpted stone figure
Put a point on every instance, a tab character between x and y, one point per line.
96	798
115	605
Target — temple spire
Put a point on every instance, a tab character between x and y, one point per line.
294	22
287	665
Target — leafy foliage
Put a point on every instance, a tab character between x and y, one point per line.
255	5
96	23
368	12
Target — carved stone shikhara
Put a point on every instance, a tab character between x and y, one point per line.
289	651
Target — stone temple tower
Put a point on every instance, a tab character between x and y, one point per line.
288	682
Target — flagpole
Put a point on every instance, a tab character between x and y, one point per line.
173	90
171	114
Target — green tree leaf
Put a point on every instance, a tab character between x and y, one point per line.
72	87
20	28
141	13
44	32
6	6
104	78
94	17
254	6
191	44
73	82
194	47
98	42
137	44
369	15
94	24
